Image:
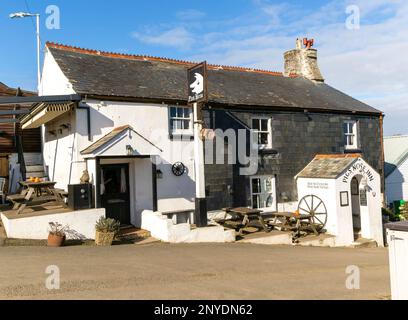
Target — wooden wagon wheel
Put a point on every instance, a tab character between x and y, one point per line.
316	209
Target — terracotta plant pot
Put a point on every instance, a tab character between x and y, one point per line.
104	238
55	240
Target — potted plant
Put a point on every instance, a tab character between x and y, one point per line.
106	230
57	235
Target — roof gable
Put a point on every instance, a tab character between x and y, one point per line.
114	75
119	142
328	166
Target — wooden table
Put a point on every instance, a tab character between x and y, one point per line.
244	216
36	194
289	221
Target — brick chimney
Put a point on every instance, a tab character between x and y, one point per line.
303	61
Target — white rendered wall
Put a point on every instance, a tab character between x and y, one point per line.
61	156
151	121
53	81
397	184
81	225
325	189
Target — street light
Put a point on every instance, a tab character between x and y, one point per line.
37	15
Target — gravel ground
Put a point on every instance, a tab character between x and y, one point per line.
203	271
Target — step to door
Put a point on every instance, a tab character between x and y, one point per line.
365	243
34	168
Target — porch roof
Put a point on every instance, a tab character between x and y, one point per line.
104	140
328	166
117	142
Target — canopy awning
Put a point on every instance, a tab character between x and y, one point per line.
44	113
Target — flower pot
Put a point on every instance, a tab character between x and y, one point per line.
104	238
55	240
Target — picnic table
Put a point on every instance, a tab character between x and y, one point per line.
243	217
36	194
289	221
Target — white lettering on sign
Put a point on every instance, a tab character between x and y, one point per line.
360	168
317	185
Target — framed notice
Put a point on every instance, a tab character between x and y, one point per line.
344	199
363	198
197	83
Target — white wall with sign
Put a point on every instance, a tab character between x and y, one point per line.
336	193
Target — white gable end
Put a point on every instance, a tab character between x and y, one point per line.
53	81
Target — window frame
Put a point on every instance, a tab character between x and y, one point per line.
267	146
354	134
180	132
264	178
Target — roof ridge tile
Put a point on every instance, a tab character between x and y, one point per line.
160	59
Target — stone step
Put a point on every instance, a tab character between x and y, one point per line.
365	243
34	168
133	233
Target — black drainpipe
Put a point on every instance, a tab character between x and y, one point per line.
88	120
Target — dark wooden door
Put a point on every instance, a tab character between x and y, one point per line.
116	196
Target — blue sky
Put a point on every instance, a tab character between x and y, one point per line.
368	63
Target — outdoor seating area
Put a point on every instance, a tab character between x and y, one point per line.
37	196
248	221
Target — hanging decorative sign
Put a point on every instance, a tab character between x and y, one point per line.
197	83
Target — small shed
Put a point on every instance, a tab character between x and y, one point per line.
350	192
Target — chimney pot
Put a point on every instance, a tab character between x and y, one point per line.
303	61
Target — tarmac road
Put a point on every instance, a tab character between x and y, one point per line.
203	271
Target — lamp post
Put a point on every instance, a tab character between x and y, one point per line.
37	15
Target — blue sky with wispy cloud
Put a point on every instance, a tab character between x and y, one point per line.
369	64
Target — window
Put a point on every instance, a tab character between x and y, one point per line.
350	135
181	121
263	190
262	129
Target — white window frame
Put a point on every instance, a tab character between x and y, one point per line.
269	132
353	134
263	207
181	132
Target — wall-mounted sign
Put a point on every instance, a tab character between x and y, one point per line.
318	185
363	198
358	168
344	199
197	83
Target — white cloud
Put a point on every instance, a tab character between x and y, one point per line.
177	37
369	64
190	14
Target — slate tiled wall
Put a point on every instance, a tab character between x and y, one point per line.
297	139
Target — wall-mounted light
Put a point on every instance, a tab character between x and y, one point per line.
129	150
65	126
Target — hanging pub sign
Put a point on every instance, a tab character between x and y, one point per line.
197	83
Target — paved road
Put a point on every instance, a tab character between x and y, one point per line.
161	271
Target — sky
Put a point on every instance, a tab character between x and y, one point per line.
362	44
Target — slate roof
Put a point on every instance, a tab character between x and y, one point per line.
141	77
396	152
105	139
328	166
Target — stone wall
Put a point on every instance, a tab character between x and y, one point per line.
296	139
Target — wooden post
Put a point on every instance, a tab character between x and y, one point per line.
201	219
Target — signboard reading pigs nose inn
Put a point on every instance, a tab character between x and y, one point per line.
197	83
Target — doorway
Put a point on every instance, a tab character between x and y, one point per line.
115	194
356	207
